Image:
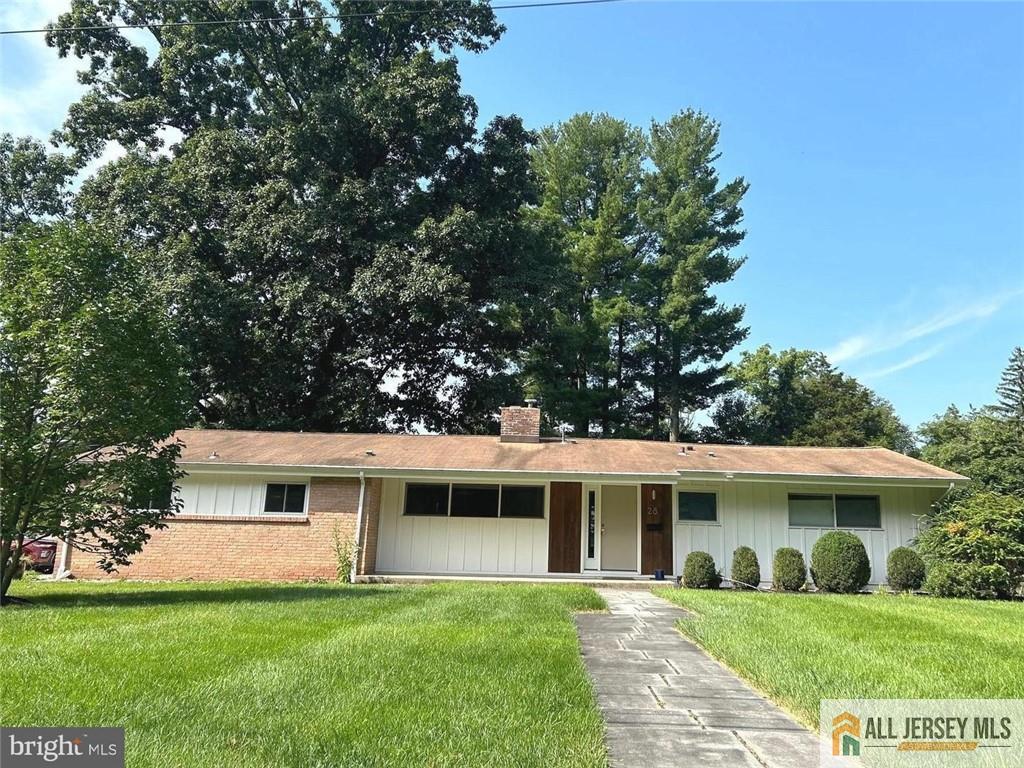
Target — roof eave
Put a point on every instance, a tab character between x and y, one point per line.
815	478
706	475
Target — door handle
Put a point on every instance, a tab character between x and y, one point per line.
602	529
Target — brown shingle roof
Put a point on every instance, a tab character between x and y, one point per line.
587	456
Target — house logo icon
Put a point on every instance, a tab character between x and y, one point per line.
846	735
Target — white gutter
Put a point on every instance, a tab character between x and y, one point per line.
359	528
454	473
64	569
952	486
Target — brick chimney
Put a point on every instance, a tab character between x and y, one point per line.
520	423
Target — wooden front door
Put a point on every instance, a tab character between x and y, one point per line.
565	518
655	528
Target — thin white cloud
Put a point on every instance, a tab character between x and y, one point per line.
877	340
909	362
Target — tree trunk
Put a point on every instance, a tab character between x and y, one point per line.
10	557
618	378
655	385
582	425
605	403
673	397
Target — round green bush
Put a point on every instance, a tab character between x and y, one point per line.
970	580
699	572
906	570
789	574
746	571
839	563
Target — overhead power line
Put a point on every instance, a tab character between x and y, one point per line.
325	17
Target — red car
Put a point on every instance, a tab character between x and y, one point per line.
41	554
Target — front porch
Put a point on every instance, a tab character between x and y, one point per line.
596	579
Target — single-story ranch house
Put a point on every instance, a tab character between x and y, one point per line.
269	505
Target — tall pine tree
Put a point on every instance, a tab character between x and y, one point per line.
646	231
590	173
1010	392
693	221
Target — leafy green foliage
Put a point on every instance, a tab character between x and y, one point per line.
839	563
977	529
977	443
905	570
789	572
1010	391
968	580
699	572
33	182
796	397
341	247
647	228
91	388
746	571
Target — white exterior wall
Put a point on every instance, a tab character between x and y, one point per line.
757	515
228	495
459	545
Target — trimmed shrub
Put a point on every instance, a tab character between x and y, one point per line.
839	563
789	574
971	580
746	571
699	572
906	570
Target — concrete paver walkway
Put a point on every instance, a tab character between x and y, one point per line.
667	703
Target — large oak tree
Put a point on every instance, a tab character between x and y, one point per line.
340	248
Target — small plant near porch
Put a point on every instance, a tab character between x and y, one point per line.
345	554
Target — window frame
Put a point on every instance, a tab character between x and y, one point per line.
708	491
405	498
263	499
878	501
543	485
543	501
835	511
173	498
489	488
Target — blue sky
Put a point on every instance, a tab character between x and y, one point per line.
884	145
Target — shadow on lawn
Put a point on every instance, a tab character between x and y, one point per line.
109	596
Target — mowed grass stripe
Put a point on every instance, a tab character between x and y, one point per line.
800	649
307	675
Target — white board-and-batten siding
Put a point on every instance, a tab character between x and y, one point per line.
223	495
757	515
458	545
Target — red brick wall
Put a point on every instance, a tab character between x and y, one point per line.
259	547
520	424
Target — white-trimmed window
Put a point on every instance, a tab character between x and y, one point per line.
698	506
284	499
834	510
425	499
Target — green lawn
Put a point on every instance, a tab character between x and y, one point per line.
308	675
802	648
